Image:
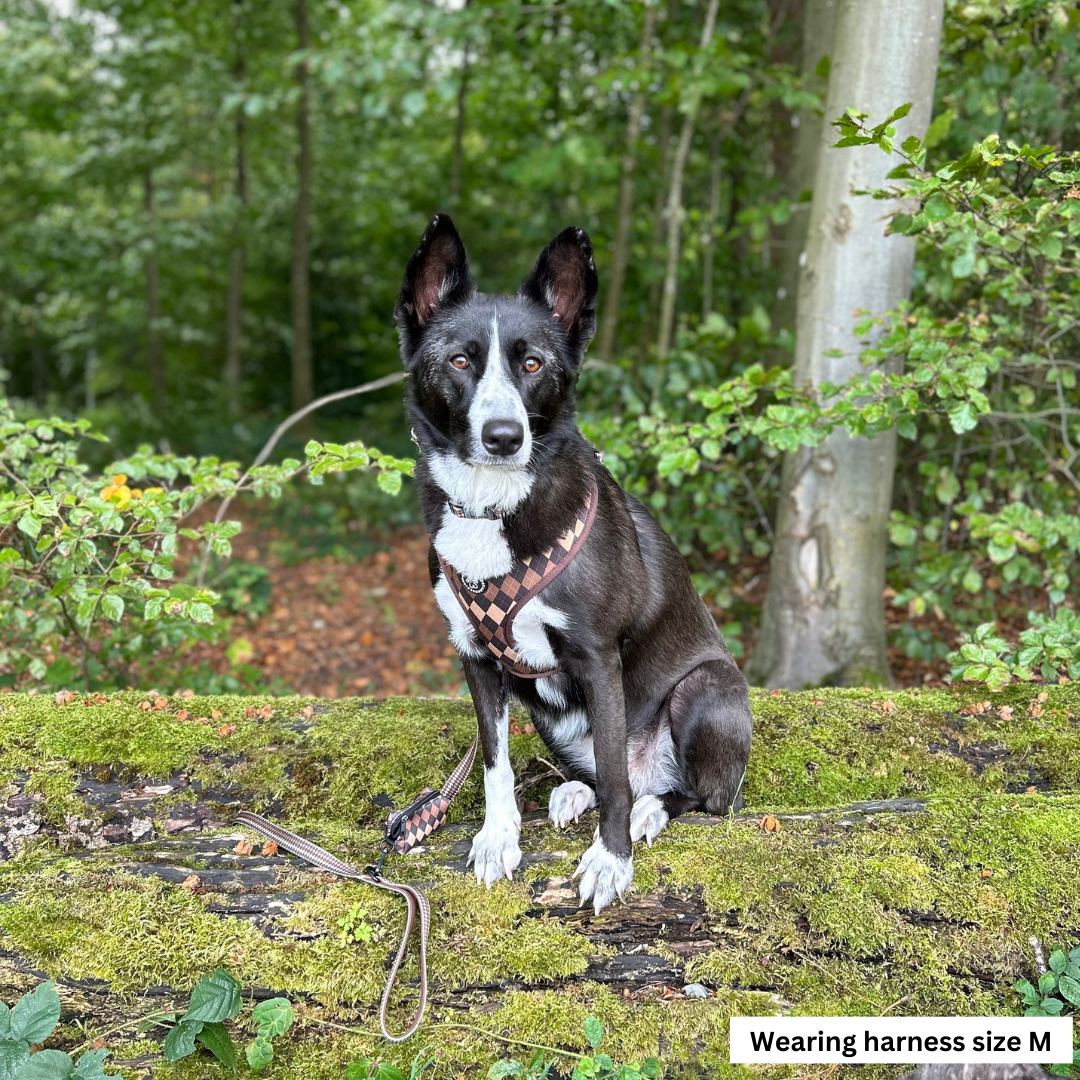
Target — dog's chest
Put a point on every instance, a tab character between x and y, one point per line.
477	549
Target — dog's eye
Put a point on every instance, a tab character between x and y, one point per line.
532	364
460	362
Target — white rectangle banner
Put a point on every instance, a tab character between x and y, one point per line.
864	1040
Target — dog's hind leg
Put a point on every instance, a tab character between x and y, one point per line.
711	726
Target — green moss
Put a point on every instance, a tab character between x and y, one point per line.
919	913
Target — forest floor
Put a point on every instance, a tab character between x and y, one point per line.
339	626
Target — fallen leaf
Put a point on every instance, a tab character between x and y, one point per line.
1005	712
202	720
187	693
1030	790
243	847
160	703
226	730
307	710
183	714
987	873
191	882
269	848
65	697
97	1044
144	705
770	824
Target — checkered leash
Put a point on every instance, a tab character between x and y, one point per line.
404	830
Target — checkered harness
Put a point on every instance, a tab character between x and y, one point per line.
495	604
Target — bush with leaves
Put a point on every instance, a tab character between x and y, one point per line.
215	999
1058	988
30	1023
88	563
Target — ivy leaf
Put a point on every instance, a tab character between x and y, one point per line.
215	998
36	1014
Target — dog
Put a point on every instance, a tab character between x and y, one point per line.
616	658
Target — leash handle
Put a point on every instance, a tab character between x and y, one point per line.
404	830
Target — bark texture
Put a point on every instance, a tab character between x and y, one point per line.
823	621
303	379
609	321
819	29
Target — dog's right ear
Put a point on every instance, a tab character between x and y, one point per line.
436	277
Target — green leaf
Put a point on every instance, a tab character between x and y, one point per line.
180	1042
594	1031
14	1054
505	1068
46	1065
218	1041
972	580
1069	989
1027	992
938	208
650	1068
963	417
963	265
259	1054
274	1017
1057	962
383	1071
35	1014
215	998
112	607
89	1066
30	525
1052	1006
1047	982
390	481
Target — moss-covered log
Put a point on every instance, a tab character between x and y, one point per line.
922	840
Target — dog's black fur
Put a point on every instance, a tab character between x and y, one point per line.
637	647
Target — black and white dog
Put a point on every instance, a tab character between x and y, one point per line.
648	712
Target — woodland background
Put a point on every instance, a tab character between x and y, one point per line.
205	210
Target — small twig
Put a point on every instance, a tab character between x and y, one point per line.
898	1001
296	417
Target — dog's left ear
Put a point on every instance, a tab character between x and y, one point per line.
564	280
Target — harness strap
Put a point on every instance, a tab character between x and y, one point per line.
404	829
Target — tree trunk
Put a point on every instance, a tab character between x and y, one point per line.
674	211
609	322
154	352
823	620
709	247
457	164
234	308
819	29
303	380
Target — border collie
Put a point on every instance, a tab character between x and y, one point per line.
642	705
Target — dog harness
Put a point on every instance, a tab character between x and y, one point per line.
493	605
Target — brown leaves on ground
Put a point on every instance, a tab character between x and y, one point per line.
885	706
770	824
65	697
270	848
339	629
226	730
243	847
191	882
265	712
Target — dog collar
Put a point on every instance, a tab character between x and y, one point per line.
491	513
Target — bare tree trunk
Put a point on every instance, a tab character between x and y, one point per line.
667	115
709	247
457	164
303	380
674	211
609	322
154	351
819	29
234	308
824	619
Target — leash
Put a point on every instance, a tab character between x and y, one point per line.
404	830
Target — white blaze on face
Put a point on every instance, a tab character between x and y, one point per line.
497	398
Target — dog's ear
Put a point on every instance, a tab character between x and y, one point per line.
437	277
564	280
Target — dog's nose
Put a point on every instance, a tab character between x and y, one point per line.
502	437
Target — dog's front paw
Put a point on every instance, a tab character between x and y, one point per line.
647	819
604	876
495	853
569	801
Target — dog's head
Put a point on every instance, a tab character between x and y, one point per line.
491	375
